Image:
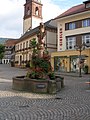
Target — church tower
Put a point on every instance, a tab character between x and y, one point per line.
32	14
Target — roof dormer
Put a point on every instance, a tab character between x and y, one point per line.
87	4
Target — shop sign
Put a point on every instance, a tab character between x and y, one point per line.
60	38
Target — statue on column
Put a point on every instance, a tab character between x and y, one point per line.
41	40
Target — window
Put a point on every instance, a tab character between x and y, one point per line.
77	24
6	47
71	26
10	46
23	45
27	44
36	11
88	5
86	23
70	43
86	39
28	11
18	47
7	52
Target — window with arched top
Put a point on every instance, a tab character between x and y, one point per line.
23	45
36	11
27	44
28	11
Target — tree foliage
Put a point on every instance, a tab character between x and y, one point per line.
40	66
2	49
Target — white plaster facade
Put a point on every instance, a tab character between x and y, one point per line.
61	24
73	50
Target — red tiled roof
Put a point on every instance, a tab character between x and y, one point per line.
74	10
10	42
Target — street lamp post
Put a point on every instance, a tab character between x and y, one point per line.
80	48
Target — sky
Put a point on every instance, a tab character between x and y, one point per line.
12	12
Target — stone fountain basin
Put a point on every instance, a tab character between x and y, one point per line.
23	83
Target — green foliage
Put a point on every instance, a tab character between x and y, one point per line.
35	74
40	66
1	55
41	63
2	49
28	74
28	64
51	75
33	47
44	65
33	43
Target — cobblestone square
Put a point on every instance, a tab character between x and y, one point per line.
71	103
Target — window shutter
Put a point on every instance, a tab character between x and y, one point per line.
66	26
78	40
78	24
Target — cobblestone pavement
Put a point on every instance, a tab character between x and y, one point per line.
71	103
6	71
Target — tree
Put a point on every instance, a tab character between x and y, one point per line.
40	65
2	49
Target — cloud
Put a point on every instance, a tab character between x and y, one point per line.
11	16
50	10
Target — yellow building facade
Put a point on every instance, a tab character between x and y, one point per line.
68	61
73	49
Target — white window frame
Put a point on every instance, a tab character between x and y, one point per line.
86	38
71	42
86	23
71	26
